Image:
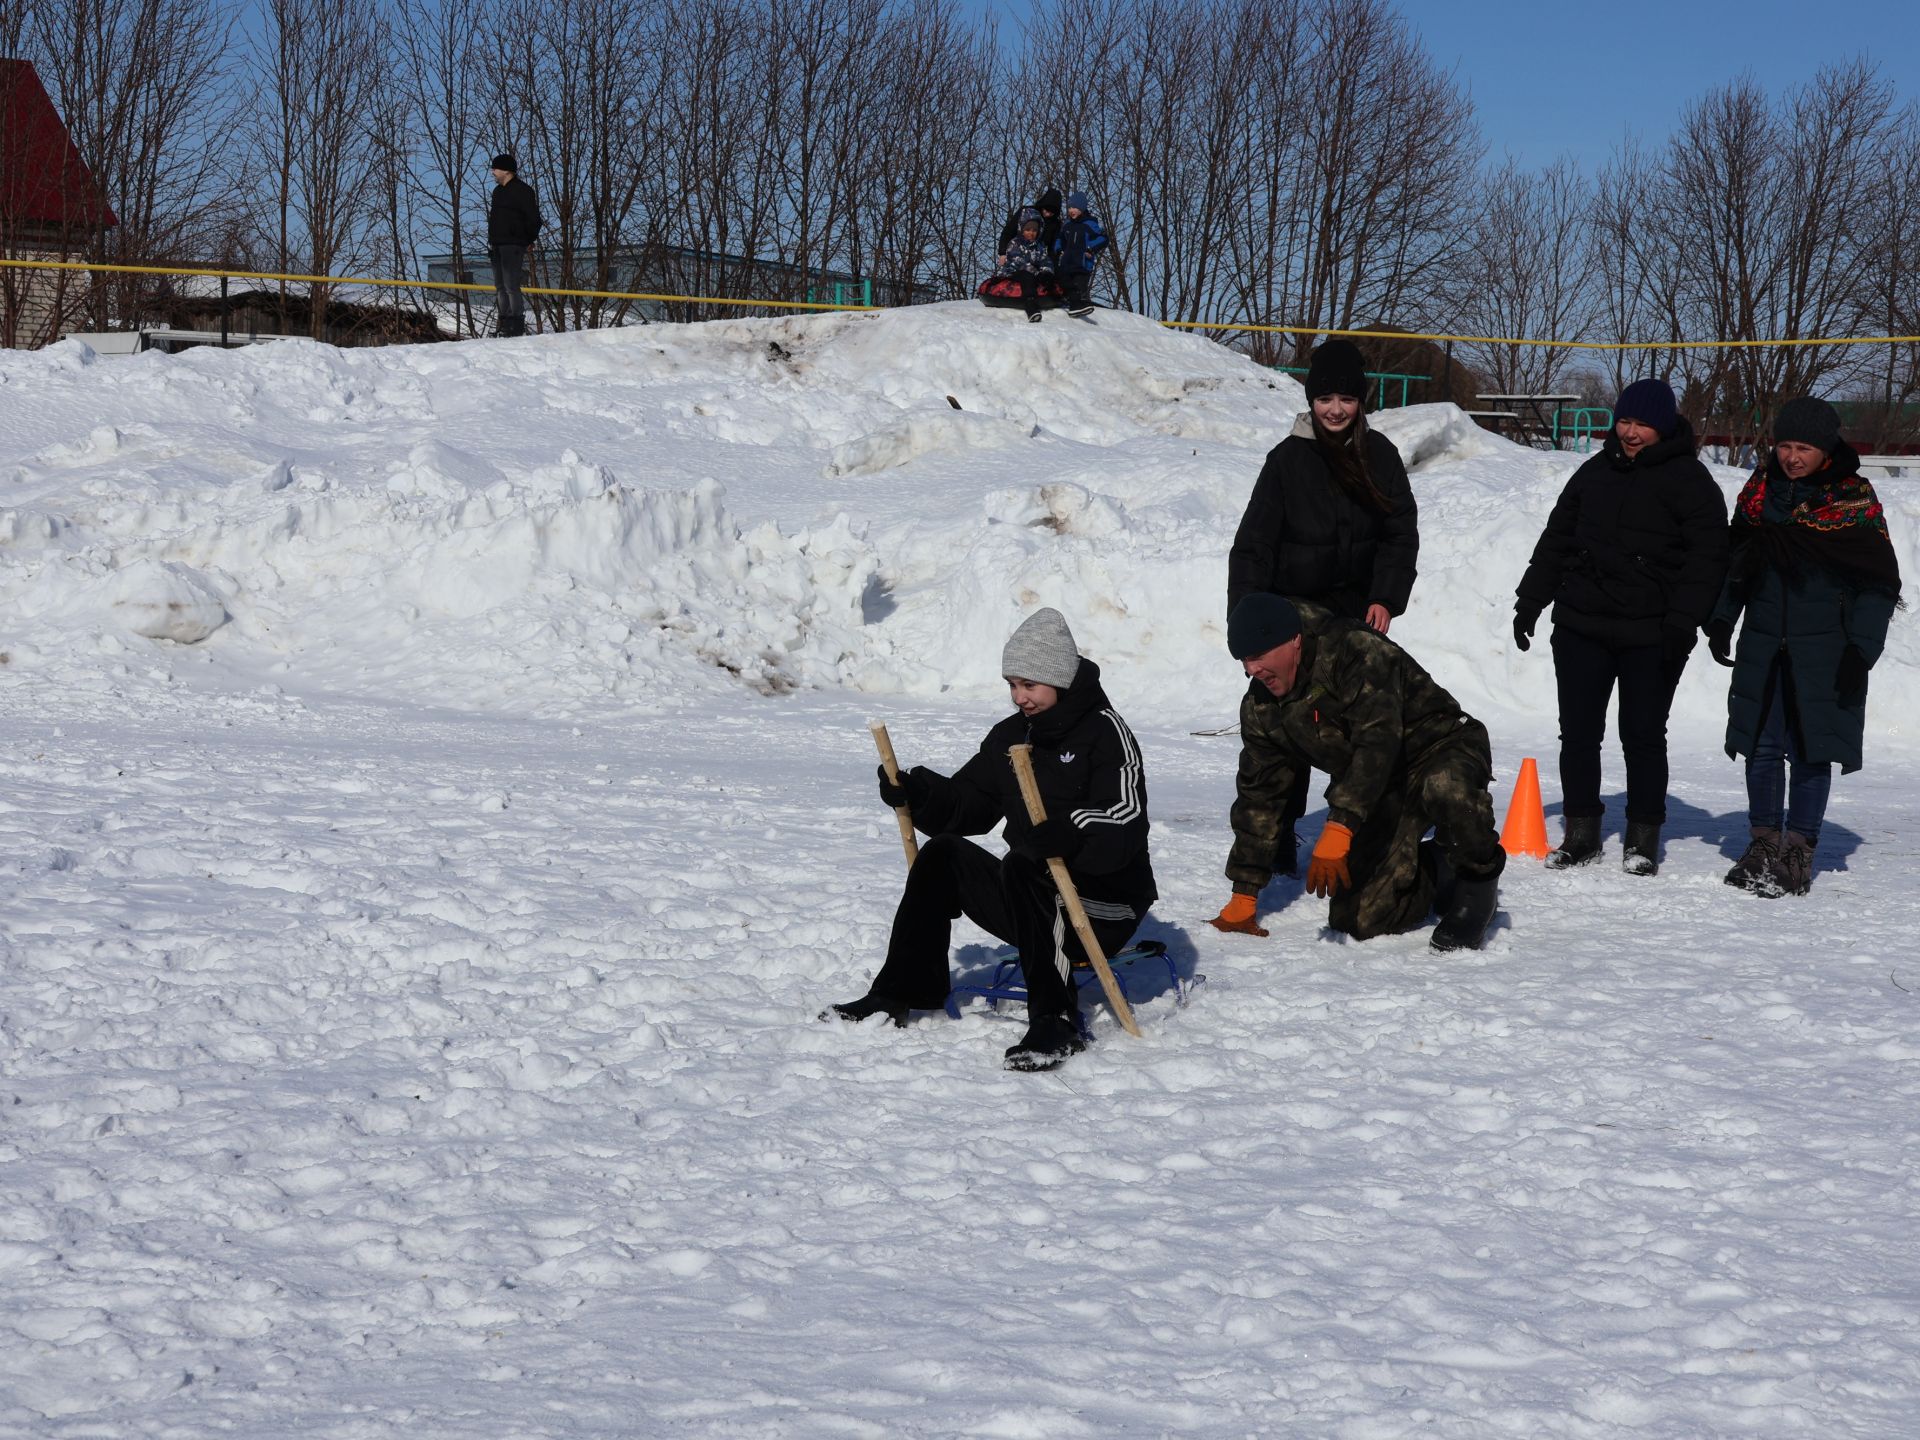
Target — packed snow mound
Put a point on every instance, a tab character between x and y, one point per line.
625	518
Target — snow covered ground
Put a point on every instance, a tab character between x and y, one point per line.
436	799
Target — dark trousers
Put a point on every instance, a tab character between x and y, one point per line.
1012	899
1586	671
1776	799
1077	289
509	274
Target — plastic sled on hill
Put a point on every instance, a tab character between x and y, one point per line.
1020	292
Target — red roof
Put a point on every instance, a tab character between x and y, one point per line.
43	180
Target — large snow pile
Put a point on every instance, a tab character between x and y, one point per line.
437	799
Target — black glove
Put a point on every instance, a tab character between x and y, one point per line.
1851	678
1050	839
1525	617
912	791
1720	641
1676	644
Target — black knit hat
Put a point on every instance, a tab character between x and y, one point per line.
1809	421
507	163
1650	402
1261	622
1049	201
1337	368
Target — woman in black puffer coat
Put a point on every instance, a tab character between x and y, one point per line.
1632	561
1332	520
1815	581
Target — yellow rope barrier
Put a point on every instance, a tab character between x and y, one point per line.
419	284
816	305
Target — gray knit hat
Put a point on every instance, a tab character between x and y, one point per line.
1042	649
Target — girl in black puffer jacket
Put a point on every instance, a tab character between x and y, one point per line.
1332	520
1632	561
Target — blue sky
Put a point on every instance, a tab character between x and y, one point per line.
1557	78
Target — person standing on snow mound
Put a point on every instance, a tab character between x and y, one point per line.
1331	519
1078	248
1330	693
1815	582
1632	559
1090	777
1047	207
513	226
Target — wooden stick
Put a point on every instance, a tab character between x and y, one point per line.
901	812
1022	758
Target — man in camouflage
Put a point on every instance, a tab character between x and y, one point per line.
1329	693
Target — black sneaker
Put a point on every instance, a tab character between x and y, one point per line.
1033	318
1080	312
866	1007
1048	1042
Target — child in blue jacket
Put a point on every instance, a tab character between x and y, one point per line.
1078	248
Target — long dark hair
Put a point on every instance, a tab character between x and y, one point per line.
1346	457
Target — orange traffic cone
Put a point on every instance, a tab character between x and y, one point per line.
1525	832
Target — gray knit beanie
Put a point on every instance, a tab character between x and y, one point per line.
1042	649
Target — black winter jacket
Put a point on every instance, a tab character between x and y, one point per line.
513	215
1633	546
1793	630
1089	771
1305	536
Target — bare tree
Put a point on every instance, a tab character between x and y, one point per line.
1528	272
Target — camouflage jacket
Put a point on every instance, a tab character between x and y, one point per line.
1361	709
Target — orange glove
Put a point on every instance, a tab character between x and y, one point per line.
1237	916
1327	871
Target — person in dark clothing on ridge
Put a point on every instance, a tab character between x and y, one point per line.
1029	263
1329	693
1332	520
513	227
1078	247
1089	773
1814	582
1632	559
1048	208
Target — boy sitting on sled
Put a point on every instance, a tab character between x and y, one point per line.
1025	275
1095	791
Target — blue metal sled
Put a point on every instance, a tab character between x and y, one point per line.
1008	983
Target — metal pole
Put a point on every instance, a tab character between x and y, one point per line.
223	312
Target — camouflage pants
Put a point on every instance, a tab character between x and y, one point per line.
1445	788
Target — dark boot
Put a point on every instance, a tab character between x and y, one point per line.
1640	853
1049	1040
1793	866
1286	855
1754	870
866	1007
1581	845
1463	924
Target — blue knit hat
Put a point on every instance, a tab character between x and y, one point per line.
1077	200
1650	402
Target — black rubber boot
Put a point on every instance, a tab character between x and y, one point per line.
866	1007
1640	853
1581	846
1463	925
1049	1040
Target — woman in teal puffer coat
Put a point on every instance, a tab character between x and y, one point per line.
1814	582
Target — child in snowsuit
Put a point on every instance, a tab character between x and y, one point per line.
1336	695
1029	261
1077	255
1095	791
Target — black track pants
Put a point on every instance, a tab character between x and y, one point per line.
1012	899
